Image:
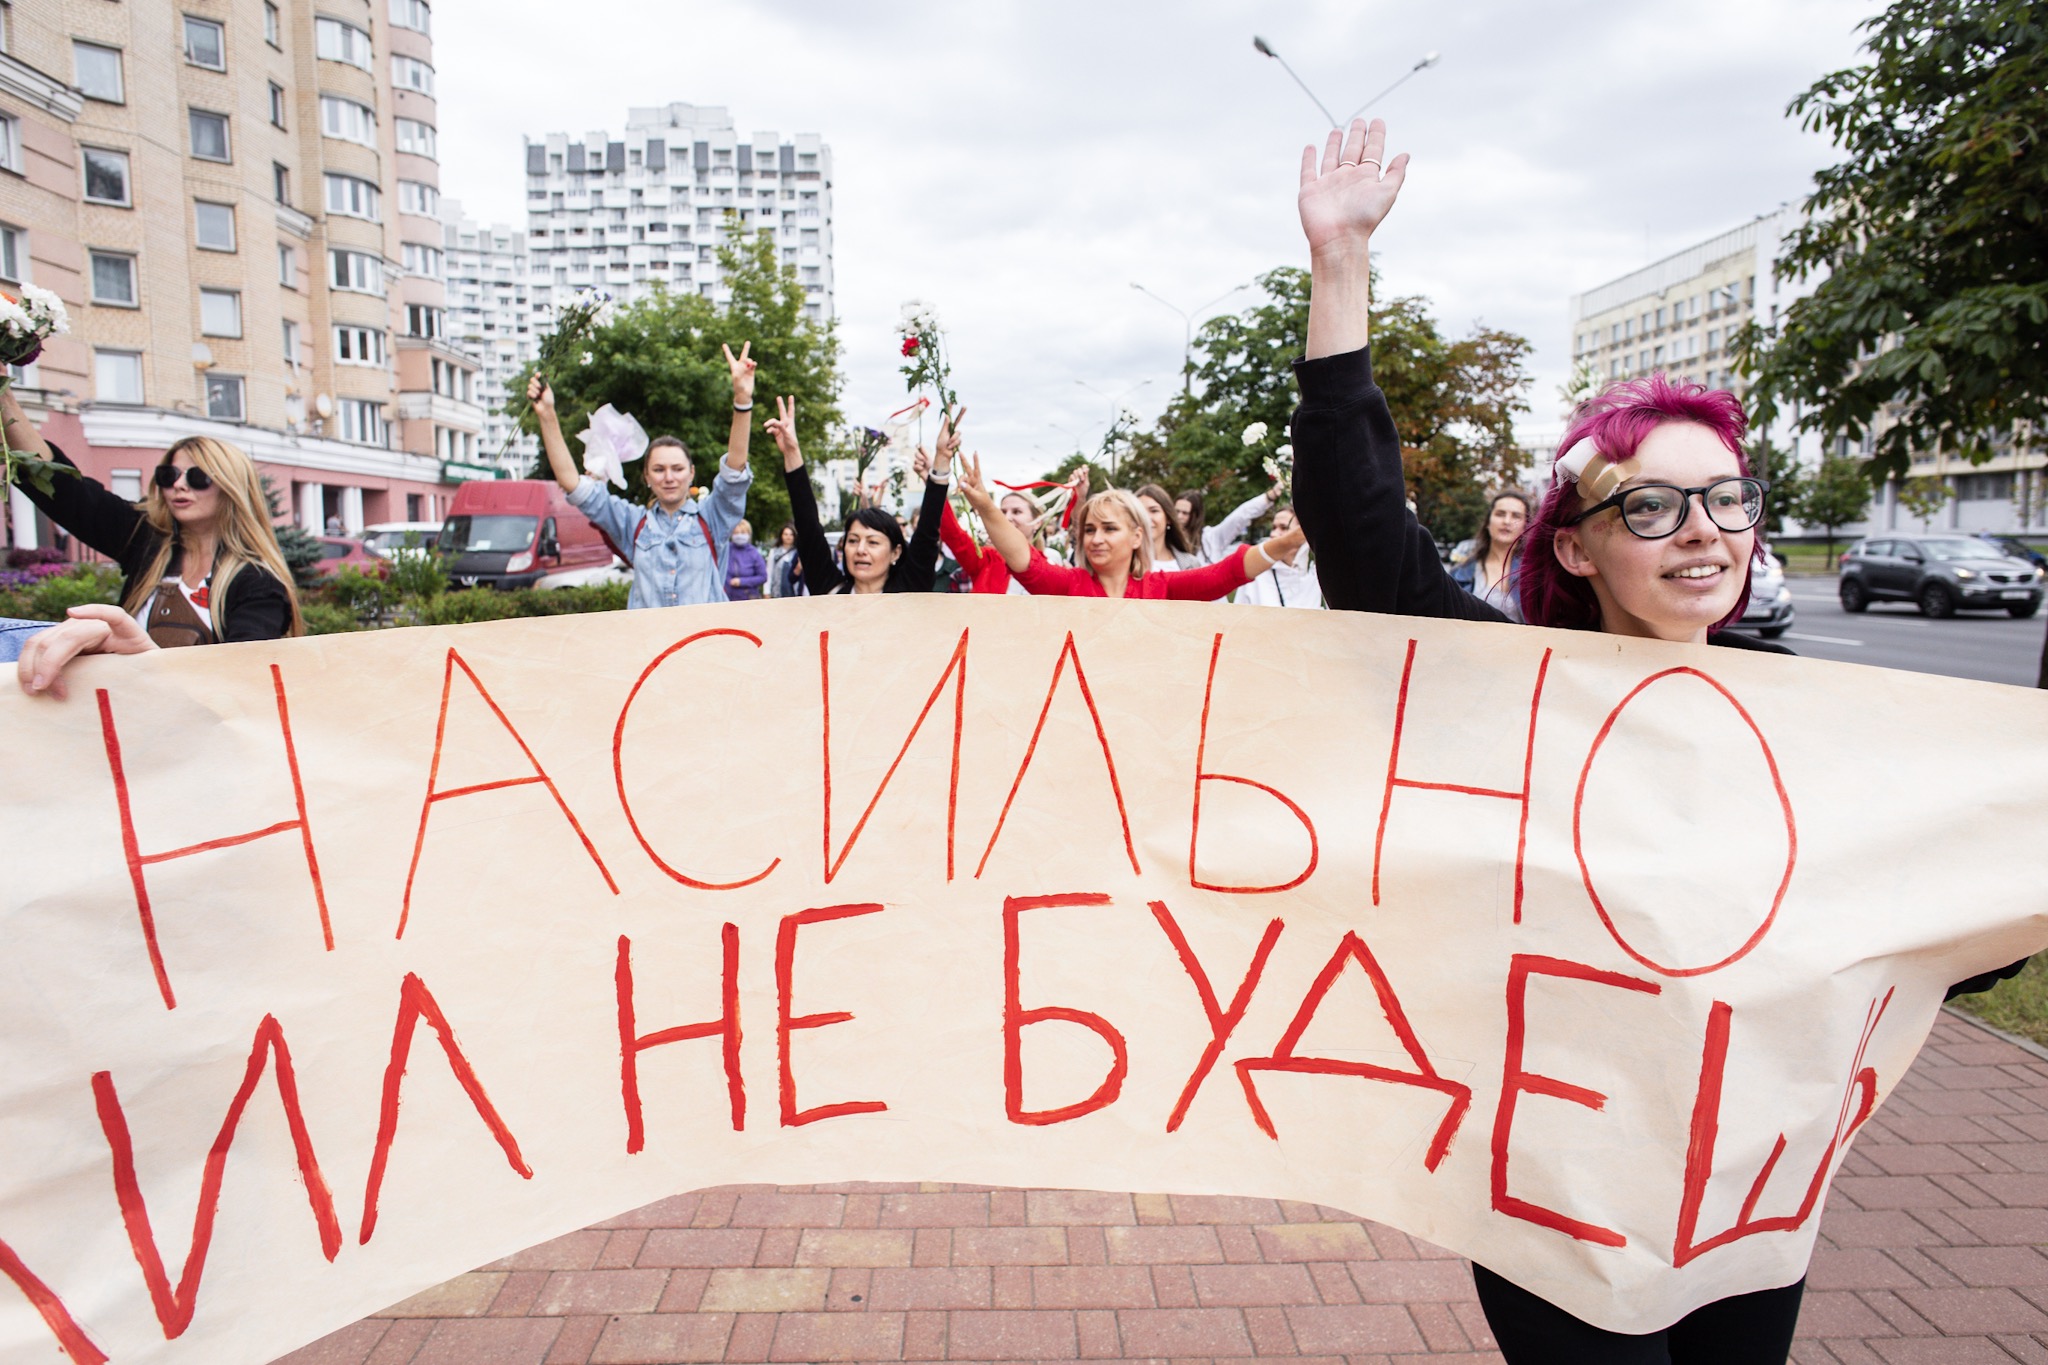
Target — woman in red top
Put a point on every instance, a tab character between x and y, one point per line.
986	571
1116	547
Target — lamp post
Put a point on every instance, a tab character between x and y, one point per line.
1115	407
1265	48
1187	349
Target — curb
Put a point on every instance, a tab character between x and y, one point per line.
2024	1044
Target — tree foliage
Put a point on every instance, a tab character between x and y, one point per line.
1835	494
1453	403
1932	233
659	359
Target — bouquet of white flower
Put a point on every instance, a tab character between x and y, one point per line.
25	324
1279	466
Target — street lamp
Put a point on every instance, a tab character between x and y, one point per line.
1428	60
1115	406
1187	349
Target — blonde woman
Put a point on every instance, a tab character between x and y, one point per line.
199	561
1117	557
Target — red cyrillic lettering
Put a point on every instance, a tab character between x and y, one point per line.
1222	1022
138	860
415	1002
174	1307
71	1338
1515	1081
1706	1129
1067	651
787	1023
1351	948
726	1026
1521	796
956	667
433	795
1201	776
619	766
1777	783
1016	1019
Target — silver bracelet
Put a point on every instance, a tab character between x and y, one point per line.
737	408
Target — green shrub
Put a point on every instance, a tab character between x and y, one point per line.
418	572
51	598
366	596
467	605
325	618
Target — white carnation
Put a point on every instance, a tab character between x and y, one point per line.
45	308
1255	433
13	319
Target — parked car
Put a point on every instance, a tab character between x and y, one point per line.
2016	548
509	533
1770	609
1942	573
588	576
341	552
387	539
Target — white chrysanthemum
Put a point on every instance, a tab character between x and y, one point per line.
45	308
1285	452
1255	433
13	319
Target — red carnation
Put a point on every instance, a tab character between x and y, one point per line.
910	345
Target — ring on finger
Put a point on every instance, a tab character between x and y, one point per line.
1373	160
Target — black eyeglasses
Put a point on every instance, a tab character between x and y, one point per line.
1653	511
196	478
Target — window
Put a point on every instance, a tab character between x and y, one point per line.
10	254
126	483
423	320
270	26
206	44
98	71
281	182
357	271
276	105
410	73
413	14
113	279
361	421
417	138
214	226
106	176
419	198
220	313
347	120
291	343
117	376
352	198
359	346
423	260
209	134
10	145
339	42
287	265
224	397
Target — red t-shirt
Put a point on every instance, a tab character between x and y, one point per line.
1205	584
986	571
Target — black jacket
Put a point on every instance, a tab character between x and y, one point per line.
912	572
256	606
1371	553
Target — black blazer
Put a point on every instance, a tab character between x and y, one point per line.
256	606
913	572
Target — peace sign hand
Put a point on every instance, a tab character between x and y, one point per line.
782	429
1343	201
973	489
742	372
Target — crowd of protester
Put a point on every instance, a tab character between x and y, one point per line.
1648	528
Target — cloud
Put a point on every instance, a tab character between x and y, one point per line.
1019	165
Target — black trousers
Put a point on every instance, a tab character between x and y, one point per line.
1748	1329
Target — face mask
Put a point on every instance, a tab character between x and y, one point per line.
742	538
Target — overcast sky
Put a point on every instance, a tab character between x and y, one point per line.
1018	165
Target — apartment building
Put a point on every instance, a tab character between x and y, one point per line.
650	207
490	316
238	202
1679	316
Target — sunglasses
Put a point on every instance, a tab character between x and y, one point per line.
196	478
1653	511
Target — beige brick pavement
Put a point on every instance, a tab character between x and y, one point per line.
1929	1252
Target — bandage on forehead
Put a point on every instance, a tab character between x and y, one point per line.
1606	476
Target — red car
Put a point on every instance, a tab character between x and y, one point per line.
338	552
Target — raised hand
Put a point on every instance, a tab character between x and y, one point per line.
949	439
742	372
1282	544
921	464
542	398
781	428
974	490
1348	196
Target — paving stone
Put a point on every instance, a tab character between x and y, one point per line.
574	1251
350	1346
1415	1281
1224	1208
924	1336
1245	1286
838	1336
1068	1208
1982	1266
1097	1331
788	1210
1012	1334
1091	1286
774	1290
853	1246
465	1296
1316	1242
1192	1244
1959	1311
1945	1351
933	1210
403	1341
700	1246
896	1288
601	1291
1343	1329
1183	1332
1858	1268
576	1340
488	1341
659	1338
1009	1246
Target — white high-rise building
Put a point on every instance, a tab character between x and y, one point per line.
651	207
491	318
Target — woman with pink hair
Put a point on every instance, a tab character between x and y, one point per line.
1648	529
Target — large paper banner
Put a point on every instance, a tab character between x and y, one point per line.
337	967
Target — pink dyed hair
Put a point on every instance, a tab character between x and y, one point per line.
1617	419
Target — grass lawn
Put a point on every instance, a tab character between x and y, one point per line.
1811	558
2017	1006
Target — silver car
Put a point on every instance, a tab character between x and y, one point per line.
1770	610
